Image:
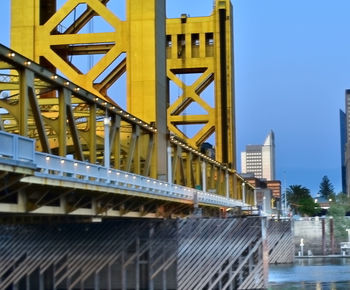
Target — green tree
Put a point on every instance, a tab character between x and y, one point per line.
300	200
338	210
344	200
326	188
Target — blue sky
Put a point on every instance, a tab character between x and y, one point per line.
292	66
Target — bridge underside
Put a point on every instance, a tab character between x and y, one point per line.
21	193
134	254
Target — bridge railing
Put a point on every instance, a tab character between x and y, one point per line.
53	166
66	119
17	147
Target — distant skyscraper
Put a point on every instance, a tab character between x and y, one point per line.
347	146
260	159
342	119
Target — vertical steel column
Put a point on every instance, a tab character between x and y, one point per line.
115	140
223	85
243	192
92	133
170	174
188	169
227	189
107	123
23	24
146	78
23	102
62	121
204	176
255	197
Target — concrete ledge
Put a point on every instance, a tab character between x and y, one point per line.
328	256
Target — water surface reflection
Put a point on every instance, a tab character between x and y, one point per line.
311	273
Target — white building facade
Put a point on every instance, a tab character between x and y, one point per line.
259	160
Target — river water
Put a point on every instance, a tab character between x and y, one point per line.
311	274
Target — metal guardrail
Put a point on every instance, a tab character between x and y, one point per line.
69	169
64	168
16	147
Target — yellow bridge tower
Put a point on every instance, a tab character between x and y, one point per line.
198	45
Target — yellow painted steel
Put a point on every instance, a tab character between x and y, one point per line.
140	37
201	46
194	45
204	46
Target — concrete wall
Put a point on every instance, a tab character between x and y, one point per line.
310	230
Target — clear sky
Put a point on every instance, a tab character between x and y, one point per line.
292	61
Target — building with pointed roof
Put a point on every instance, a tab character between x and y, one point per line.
259	160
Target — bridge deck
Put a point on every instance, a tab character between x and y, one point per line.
43	183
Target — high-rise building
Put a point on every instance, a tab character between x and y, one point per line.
342	119
347	142
260	159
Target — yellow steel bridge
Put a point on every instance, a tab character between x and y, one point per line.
71	154
76	122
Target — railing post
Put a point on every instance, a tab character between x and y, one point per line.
106	122
204	177
15	147
170	173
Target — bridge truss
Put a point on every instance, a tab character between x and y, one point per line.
78	117
66	122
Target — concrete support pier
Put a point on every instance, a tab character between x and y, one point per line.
135	254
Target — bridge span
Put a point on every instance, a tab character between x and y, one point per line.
49	184
97	195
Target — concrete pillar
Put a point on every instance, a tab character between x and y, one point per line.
323	237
